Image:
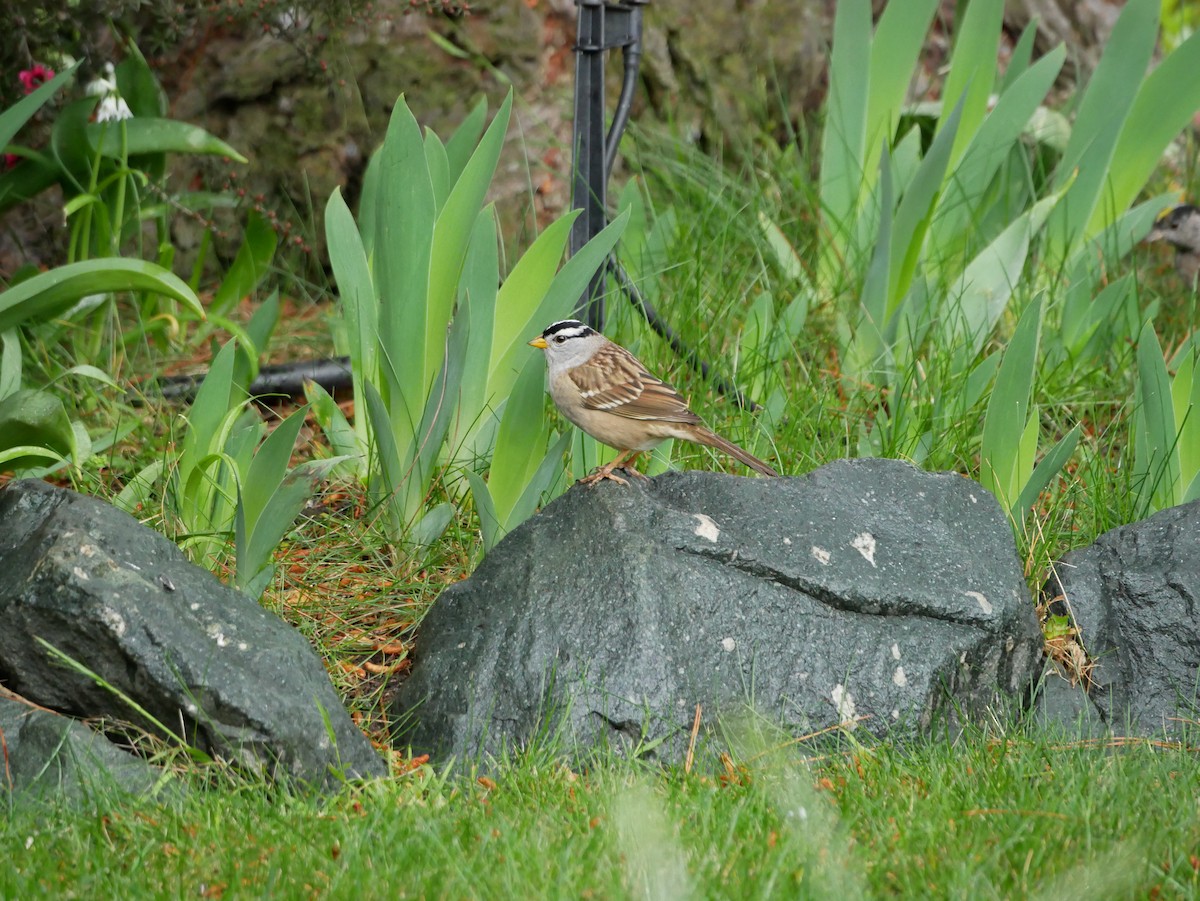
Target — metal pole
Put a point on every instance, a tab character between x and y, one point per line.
601	26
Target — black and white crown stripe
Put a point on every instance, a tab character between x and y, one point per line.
568	328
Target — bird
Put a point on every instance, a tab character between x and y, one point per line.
603	388
1180	227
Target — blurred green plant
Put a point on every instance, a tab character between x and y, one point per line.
443	381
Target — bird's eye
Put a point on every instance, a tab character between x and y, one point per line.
559	339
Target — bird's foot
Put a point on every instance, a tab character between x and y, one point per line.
599	475
623	462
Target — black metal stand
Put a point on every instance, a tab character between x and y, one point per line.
601	27
604	26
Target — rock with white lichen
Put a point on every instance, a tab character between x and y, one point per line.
101	614
868	594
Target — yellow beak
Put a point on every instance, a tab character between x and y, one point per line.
539	342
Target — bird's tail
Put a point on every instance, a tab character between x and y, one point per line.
712	439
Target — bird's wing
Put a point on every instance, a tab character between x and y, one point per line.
613	380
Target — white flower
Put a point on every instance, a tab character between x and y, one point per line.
112	105
100	86
112	108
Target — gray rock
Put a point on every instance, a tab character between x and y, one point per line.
54	757
1135	598
1066	709
865	589
202	659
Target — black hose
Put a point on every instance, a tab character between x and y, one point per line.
631	53
277	380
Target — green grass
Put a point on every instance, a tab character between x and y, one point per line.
980	817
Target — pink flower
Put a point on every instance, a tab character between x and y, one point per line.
32	79
10	160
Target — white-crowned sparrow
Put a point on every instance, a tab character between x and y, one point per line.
1181	228
602	388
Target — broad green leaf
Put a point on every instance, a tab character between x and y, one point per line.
452	234
521	438
358	305
69	145
34	424
754	343
478	291
1185	403
1090	265
23	456
51	293
550	471
897	43
465	138
10	363
1004	426
87	371
268	468
783	253
1021	57
329	416
867	347
972	70
967	185
137	136
489	522
249	267
1192	492
430	527
385	456
13	119
137	85
138	490
368	207
1046	470
437	417
1026	454
439	168
1105	107
255	544
406	213
915	211
987	283
844	137
210	408
1165	104
1156	465
525	287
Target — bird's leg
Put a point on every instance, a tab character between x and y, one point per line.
600	473
630	466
